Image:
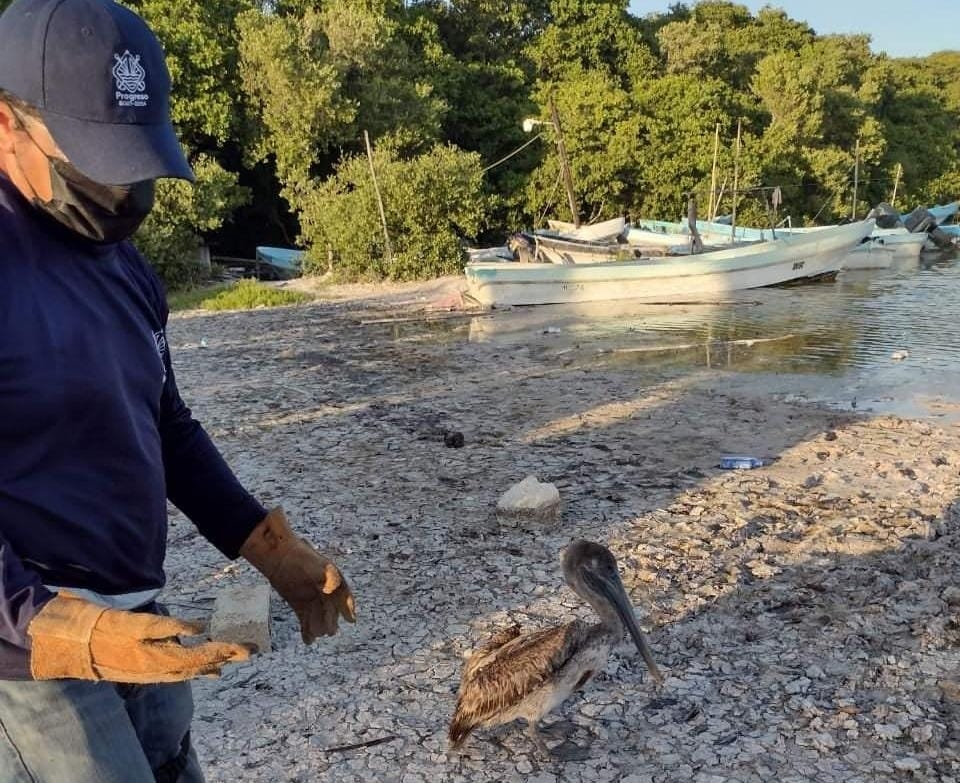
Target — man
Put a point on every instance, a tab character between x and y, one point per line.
94	437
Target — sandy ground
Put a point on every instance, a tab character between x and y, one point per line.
808	612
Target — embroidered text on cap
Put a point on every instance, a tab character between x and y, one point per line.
131	80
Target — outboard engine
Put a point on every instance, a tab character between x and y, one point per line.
885	216
940	238
920	220
523	247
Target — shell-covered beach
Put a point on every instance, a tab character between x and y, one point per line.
807	613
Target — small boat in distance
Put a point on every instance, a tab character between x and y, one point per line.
703	277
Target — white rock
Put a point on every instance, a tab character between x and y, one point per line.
887	731
530	498
922	733
908	764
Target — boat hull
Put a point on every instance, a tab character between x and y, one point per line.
869	256
694	278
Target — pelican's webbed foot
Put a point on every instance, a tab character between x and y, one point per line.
565	751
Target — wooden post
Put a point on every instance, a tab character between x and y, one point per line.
696	241
712	211
736	185
896	184
565	164
856	179
376	188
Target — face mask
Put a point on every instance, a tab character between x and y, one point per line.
100	213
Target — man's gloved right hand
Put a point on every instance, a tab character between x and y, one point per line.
77	639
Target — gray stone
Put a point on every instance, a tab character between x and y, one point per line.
241	614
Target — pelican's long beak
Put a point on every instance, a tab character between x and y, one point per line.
615	591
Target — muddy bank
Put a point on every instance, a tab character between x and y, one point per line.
807	612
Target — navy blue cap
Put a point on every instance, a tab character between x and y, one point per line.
96	74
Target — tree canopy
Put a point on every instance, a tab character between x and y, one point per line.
272	98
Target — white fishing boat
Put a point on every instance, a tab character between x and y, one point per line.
606	230
550	249
900	241
679	240
707	276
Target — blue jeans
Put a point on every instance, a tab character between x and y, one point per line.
71	731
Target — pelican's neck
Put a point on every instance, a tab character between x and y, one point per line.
609	616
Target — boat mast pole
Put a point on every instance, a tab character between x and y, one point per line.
896	184
565	164
712	211
736	185
376	189
856	178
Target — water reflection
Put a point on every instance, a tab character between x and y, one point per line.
836	341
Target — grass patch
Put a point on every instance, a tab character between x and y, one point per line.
193	298
242	295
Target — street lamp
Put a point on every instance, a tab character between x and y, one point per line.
528	125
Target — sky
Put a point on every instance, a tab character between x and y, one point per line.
897	27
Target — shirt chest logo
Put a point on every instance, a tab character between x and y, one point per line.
160	339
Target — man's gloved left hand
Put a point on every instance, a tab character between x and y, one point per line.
304	578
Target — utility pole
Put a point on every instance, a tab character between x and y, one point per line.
376	189
736	185
712	211
565	164
896	184
856	178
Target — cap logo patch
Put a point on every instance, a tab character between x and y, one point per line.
131	80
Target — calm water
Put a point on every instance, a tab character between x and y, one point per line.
877	340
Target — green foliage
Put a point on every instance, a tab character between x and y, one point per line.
192	297
431	201
171	235
592	35
243	295
200	39
317	79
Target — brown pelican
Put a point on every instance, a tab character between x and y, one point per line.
516	675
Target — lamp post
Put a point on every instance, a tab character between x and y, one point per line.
528	125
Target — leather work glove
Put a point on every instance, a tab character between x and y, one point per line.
305	579
77	639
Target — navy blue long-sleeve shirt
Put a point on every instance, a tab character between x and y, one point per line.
94	437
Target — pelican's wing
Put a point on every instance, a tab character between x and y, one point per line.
513	672
482	654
